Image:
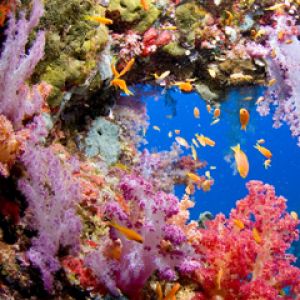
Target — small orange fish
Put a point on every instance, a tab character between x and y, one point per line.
184	86
264	151
120	83
259	100
219	278
101	20
159	291
205	141
256	236
177	131
244	118
206	185
196	112
182	142
173	291
128	233
144	4
208	108
241	160
127	68
238	223
194	177
217	113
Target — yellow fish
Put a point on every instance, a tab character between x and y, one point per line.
121	166
248	98
272	82
215	122
241	160
195	142
204	141
260	141
196	112
259	100
101	20
156	128
181	141
206	185
161	77
194	152
256	236
294	215
169	27
120	83
128	233
213	167
264	151
238	223
267	163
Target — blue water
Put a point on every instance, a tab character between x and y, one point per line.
228	188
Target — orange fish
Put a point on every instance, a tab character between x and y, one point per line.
264	151
217	113
256	236
159	291
177	131
127	68
196	113
120	83
194	177
184	86
238	223
101	20
174	290
208	108
128	233
244	118
219	278
241	160
144	5
204	141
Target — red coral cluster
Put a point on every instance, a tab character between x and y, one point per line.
244	256
153	39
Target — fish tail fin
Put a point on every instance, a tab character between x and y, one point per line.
244	127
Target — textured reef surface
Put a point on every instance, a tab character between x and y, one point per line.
84	212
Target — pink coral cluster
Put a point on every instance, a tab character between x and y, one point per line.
244	256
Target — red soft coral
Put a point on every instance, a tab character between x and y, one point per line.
245	255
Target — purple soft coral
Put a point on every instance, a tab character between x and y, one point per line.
17	100
164	247
52	194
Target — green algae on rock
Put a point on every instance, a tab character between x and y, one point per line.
131	11
73	45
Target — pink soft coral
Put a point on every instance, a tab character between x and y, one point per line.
245	255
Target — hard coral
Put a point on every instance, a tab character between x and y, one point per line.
164	246
245	255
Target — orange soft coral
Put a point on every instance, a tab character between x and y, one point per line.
9	145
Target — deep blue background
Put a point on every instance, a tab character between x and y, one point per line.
284	173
